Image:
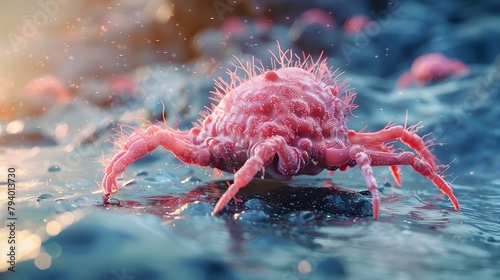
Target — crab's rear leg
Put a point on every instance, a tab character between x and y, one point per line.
367	158
419	165
376	141
142	142
289	163
373	140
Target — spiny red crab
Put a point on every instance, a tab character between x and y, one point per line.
279	123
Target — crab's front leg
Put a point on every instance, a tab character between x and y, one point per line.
289	163
339	157
142	142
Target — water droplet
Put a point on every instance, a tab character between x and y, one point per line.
141	173
197	208
44	197
301	217
191	179
54	168
254	204
252	217
113	201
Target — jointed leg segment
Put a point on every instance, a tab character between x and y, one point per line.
374	140
366	158
142	142
364	162
261	153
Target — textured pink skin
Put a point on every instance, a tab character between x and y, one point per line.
307	116
281	123
431	67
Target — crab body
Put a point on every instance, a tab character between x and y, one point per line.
280	123
286	104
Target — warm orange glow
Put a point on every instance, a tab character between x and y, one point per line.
304	266
15	127
61	130
53	228
66	219
43	261
29	246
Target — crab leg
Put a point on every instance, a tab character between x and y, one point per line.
142	142
359	153
289	163
409	137
421	166
340	157
376	140
366	158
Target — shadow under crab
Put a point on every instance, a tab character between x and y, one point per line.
279	198
272	198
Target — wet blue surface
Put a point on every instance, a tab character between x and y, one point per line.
159	226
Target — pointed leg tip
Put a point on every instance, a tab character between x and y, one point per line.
217	210
223	201
218	207
106	192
